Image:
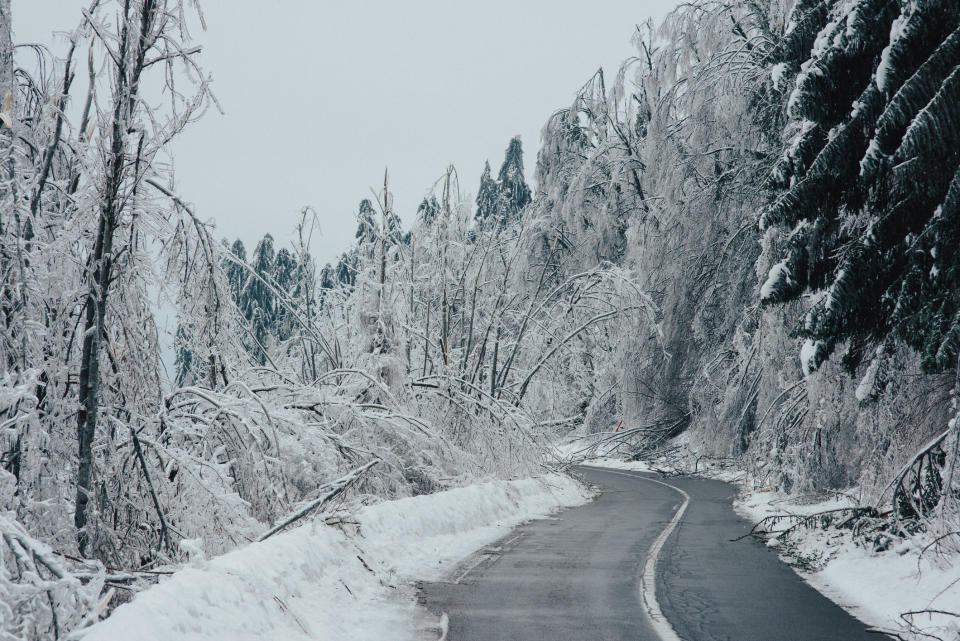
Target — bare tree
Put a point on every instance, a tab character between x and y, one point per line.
146	28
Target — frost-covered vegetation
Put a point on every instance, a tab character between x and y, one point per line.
781	178
747	237
424	360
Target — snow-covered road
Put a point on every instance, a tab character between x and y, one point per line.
577	576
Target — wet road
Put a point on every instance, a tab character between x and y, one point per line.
577	576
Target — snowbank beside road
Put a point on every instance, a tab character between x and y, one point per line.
345	582
877	587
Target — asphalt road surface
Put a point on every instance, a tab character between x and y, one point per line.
577	576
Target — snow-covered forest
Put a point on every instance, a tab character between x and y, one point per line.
740	246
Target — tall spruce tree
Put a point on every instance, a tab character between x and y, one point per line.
488	196
346	269
503	199
236	274
429	207
868	186
366	222
257	301
514	192
285	272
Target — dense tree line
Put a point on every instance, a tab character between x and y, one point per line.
780	178
419	360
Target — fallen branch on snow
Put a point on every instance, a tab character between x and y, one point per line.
339	487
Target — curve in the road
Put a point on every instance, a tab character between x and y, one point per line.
575	577
648	580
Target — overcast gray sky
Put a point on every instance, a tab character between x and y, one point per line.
321	96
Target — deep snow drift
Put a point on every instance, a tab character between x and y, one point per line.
349	580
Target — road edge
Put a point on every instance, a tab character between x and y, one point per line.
648	579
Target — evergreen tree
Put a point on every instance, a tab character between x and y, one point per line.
346	269
869	186
327	275
429	209
512	186
236	274
284	270
488	196
285	273
257	301
366	222
395	234
503	199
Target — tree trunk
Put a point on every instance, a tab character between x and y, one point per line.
493	362
6	53
95	306
6	142
89	392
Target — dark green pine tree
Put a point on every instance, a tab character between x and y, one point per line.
503	199
327	275
869	182
514	192
488	198
346	269
328	280
285	271
395	234
366	222
257	301
236	274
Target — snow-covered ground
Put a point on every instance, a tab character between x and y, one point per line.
877	587
350	581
